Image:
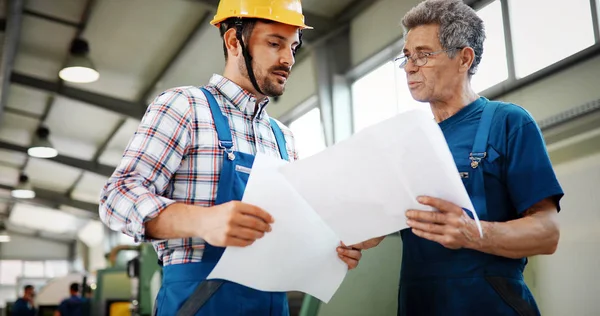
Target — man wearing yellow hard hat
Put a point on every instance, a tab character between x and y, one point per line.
185	170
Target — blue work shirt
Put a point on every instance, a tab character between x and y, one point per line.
517	174
72	306
22	307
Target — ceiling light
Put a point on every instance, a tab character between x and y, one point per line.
23	190
79	67
41	146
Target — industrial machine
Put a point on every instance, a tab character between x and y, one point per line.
146	276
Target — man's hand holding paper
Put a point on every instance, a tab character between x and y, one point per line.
354	192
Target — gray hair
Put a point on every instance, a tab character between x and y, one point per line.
460	26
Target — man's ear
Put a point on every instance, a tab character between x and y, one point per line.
231	43
467	57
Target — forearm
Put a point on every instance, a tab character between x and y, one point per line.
528	236
178	220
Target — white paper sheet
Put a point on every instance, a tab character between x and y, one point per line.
353	191
298	254
363	186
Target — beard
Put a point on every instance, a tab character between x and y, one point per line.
270	86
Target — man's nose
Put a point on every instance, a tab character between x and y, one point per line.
287	58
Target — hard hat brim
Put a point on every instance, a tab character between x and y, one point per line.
217	22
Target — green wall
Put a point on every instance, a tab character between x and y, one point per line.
372	288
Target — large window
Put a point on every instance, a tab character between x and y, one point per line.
493	68
382	94
542	33
10	270
548	31
374	97
36	272
308	133
34	269
56	268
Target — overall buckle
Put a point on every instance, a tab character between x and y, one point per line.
476	159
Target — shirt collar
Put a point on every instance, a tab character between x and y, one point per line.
239	98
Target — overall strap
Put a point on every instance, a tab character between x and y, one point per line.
221	124
483	131
478	153
280	140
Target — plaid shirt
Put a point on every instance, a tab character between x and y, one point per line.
174	157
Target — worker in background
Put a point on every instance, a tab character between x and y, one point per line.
447	268
183	174
24	306
71	306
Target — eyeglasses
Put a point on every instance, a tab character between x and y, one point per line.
421	59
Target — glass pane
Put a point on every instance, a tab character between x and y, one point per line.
374	97
126	240
308	133
493	68
7	294
541	38
57	268
33	269
10	270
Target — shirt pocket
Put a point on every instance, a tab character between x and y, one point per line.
492	165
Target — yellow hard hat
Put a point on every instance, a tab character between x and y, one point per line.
282	11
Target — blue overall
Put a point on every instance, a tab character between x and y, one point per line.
180	280
435	280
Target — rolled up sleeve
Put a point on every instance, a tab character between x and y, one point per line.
134	194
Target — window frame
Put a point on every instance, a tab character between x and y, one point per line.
511	84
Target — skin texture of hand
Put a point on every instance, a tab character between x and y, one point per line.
234	224
450	226
368	244
349	255
536	232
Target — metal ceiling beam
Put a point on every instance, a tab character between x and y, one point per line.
86	165
202	23
38	234
127	108
136	109
51	18
14	19
54	199
340	23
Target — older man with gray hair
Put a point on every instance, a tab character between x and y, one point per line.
447	268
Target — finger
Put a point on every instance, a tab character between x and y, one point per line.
249	221
246	233
429	236
358	246
350	253
439	204
250	209
237	242
351	263
426	227
426	216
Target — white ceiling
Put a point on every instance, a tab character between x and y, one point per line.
131	42
27	100
329	8
17	129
